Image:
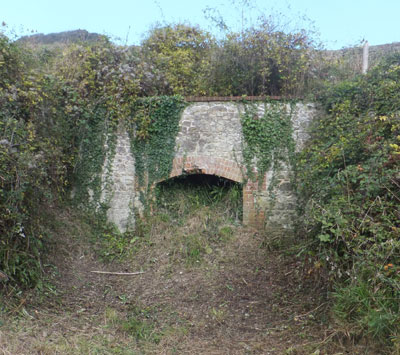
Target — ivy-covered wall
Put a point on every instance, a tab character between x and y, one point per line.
232	140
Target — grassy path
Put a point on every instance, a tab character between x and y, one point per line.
209	286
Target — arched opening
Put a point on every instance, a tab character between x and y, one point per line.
188	167
181	194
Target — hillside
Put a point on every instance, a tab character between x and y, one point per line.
61	37
353	56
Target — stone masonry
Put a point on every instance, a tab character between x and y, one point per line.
118	183
210	142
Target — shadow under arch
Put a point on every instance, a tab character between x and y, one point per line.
200	190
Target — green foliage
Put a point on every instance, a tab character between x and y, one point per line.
111	244
374	312
349	187
178	197
262	61
193	248
153	129
174	59
268	138
61	105
100	81
57	111
195	207
225	233
32	164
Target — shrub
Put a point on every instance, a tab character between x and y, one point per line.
349	187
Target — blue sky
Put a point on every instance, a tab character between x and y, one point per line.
339	22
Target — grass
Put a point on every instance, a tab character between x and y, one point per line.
209	286
372	311
195	219
205	203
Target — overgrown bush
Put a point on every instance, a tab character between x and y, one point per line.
349	187
55	114
60	107
262	61
174	59
32	161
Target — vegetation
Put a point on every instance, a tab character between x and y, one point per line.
55	109
174	60
60	107
207	283
349	186
263	61
268	139
153	129
181	59
61	103
33	163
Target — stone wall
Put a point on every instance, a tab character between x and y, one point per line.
209	142
118	183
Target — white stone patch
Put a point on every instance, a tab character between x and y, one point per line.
118	184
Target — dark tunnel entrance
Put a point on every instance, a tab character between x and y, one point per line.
183	193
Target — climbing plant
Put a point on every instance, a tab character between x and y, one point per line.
56	114
268	138
101	82
153	128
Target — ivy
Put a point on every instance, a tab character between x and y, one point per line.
268	138
58	118
153	129
97	148
102	87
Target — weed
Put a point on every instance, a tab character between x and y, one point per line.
180	196
218	314
188	213
110	244
372	310
193	249
225	233
140	323
111	316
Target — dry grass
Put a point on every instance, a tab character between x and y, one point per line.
209	287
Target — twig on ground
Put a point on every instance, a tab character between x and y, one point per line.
118	273
313	310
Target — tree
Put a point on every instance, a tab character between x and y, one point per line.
262	61
174	60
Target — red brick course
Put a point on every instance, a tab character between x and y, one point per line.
206	165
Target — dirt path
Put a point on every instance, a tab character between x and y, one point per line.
236	297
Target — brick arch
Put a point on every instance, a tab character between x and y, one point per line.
227	169
206	165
